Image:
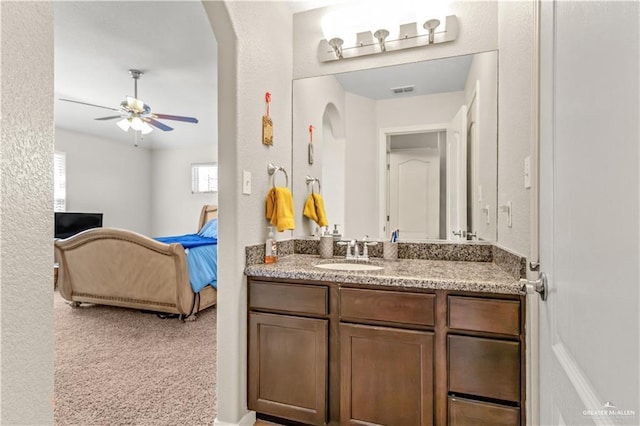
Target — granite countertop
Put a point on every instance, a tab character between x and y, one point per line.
407	273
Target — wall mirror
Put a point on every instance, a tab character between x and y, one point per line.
411	147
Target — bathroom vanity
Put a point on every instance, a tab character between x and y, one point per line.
418	342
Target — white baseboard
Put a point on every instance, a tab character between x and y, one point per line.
247	420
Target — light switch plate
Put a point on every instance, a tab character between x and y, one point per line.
246	182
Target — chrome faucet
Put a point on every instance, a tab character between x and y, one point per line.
353	251
353	254
350	245
365	247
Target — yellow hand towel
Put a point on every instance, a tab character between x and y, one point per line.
314	209
279	209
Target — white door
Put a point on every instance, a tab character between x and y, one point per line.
457	176
414	193
589	213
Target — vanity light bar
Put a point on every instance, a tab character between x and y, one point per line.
367	44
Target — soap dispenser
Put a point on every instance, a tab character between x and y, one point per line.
336	233
271	248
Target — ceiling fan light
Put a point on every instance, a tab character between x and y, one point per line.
146	129
124	124
136	123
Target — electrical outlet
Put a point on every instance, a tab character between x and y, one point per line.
246	182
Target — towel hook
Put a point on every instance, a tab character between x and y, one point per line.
311	180
272	169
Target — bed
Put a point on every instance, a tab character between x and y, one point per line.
117	267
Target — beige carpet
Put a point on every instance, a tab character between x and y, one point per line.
118	366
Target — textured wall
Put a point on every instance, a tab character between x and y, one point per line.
26	213
515	94
108	177
254	56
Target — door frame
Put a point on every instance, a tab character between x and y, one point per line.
383	134
532	339
473	110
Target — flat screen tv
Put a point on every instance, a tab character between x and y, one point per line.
69	223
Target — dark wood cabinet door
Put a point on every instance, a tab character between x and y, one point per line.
386	376
288	367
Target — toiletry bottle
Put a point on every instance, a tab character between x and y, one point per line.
325	247
336	233
271	248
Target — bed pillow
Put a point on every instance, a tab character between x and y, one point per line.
210	229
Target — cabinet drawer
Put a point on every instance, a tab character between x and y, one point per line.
296	298
388	306
467	412
490	315
484	367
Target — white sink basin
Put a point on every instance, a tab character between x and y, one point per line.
349	266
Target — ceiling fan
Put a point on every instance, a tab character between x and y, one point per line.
135	114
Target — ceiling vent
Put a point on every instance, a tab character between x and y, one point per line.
404	89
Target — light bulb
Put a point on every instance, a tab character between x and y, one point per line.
145	128
136	123
124	124
336	43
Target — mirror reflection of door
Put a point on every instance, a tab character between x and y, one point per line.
474	189
427	182
456	160
414	185
414	192
471	179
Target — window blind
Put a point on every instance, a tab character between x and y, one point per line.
59	182
204	177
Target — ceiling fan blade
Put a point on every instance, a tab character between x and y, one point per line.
176	117
85	103
158	124
111	117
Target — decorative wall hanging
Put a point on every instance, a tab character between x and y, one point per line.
310	144
267	124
